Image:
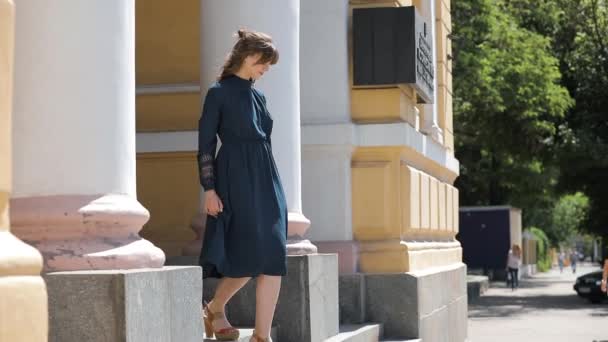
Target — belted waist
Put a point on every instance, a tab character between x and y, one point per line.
244	141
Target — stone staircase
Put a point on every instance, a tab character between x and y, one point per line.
317	305
348	333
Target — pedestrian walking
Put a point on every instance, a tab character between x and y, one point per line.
246	230
513	263
573	261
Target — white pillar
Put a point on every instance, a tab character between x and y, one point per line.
327	132
328	135
281	20
74	135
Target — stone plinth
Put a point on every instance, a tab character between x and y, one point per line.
430	304
160	305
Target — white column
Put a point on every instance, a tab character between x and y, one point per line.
328	134
327	131
74	135
281	20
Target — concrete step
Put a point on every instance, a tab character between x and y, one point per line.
358	333
246	334
415	340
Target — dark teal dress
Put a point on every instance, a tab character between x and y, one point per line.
249	237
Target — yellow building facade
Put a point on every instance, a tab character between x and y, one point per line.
405	207
377	168
417	200
168	100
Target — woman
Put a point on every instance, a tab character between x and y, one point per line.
513	263
244	199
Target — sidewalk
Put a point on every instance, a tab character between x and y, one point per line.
544	308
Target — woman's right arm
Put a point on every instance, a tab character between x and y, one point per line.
208	126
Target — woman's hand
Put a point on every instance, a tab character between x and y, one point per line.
213	204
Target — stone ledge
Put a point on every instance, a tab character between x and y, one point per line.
476	286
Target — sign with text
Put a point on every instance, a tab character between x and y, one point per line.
393	45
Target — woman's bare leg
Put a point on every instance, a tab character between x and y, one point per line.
267	294
225	290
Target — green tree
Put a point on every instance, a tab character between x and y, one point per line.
583	48
578	30
508	103
569	216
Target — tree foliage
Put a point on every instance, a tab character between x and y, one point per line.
578	30
507	104
569	215
531	107
583	47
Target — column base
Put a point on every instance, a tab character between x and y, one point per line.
298	224
83	232
300	247
161	305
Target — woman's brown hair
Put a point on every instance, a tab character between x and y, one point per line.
516	250
249	43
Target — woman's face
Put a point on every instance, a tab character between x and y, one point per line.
255	69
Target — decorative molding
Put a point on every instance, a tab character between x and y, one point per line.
184	141
170	88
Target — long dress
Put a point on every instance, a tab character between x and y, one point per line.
248	237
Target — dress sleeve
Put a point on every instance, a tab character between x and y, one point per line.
208	126
268	138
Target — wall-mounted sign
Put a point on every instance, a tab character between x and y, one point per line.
393	45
